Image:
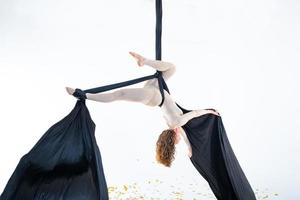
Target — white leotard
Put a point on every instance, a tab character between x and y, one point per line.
150	95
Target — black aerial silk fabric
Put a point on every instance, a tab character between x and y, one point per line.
213	156
65	164
214	159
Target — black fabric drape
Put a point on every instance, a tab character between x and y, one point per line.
214	158
65	164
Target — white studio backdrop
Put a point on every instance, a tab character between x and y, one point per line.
240	57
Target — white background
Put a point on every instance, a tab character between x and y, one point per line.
240	57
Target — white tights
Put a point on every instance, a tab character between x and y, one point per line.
147	96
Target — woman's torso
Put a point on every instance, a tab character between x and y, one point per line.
171	112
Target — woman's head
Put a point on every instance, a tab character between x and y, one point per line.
165	146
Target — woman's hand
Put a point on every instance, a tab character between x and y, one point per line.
189	152
205	111
140	59
213	110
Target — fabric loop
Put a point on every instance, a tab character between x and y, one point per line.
79	94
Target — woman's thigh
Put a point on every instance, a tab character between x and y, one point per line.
146	96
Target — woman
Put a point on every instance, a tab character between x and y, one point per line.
150	96
202	130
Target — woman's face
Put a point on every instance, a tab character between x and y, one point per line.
177	137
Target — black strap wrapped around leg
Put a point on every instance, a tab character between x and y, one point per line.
81	94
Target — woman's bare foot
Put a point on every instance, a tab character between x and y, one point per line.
70	90
140	59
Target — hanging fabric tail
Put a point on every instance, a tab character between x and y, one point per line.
64	164
214	159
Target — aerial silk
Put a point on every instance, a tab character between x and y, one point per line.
212	154
65	164
215	160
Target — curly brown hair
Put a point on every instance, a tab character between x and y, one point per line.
165	147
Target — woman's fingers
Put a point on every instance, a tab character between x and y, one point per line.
217	113
214	111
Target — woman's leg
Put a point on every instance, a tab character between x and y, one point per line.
142	95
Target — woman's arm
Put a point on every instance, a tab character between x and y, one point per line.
183	119
187	142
